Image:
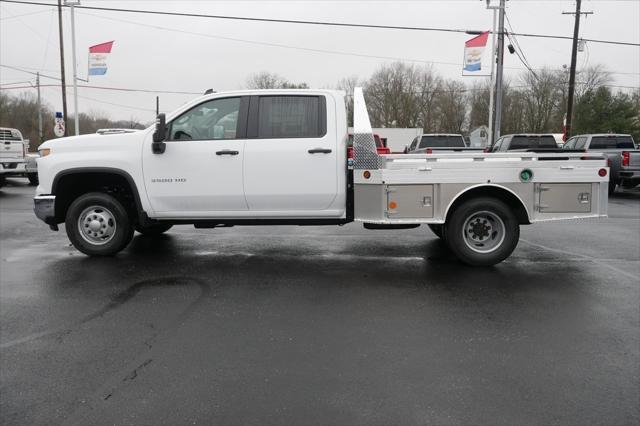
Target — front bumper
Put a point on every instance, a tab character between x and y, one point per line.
45	209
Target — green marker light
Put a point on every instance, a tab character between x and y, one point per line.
526	175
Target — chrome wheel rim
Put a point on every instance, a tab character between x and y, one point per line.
483	232
97	225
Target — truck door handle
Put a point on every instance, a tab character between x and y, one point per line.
319	151
227	152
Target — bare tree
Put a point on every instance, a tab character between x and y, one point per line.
478	102
452	107
429	84
392	93
348	84
543	98
267	80
264	80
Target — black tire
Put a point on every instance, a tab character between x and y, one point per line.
612	186
33	179
438	230
2	181
482	231
151	230
95	211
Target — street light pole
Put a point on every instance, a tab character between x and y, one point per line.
493	73
62	78
75	66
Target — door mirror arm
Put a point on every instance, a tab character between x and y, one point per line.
159	135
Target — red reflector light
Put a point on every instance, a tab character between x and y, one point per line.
625	158
602	172
366	174
349	152
429	151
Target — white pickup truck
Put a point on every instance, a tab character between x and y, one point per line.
279	157
14	160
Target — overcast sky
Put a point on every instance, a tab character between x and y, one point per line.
193	54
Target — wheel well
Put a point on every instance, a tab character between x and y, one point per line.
497	192
69	186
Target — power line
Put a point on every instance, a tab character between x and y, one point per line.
305	22
116	89
29	72
123	89
286	46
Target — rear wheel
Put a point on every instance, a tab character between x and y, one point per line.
156	229
482	231
612	186
97	224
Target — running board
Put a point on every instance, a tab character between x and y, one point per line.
398	226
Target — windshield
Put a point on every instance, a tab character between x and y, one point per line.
442	141
533	141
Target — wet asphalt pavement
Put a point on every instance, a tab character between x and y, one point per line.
319	325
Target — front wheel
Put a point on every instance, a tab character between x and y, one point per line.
156	229
97	224
33	179
482	232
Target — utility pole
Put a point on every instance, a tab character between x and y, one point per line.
572	69
75	66
40	135
493	73
499	72
64	85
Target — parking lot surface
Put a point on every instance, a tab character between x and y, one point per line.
319	325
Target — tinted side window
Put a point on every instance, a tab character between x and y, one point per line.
291	117
413	144
530	142
442	141
580	142
215	119
570	143
612	142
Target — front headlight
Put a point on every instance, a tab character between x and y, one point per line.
44	152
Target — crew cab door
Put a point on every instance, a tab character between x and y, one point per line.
200	172
291	155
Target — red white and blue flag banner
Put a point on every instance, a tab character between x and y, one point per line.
98	58
473	50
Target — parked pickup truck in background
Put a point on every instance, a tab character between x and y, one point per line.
279	157
14	159
525	141
438	142
620	151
